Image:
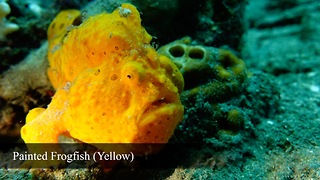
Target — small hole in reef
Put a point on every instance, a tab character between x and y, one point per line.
176	51
53	25
114	77
148	132
196	53
104	113
104	53
92	53
129	76
228	60
116	48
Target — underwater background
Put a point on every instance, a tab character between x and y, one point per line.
251	86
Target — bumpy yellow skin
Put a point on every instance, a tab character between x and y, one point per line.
111	85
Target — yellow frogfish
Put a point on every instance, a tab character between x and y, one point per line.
111	84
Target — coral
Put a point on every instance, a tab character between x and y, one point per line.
218	19
214	79
200	64
111	85
192	60
35	8
5	27
234	120
32	30
21	89
263	97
